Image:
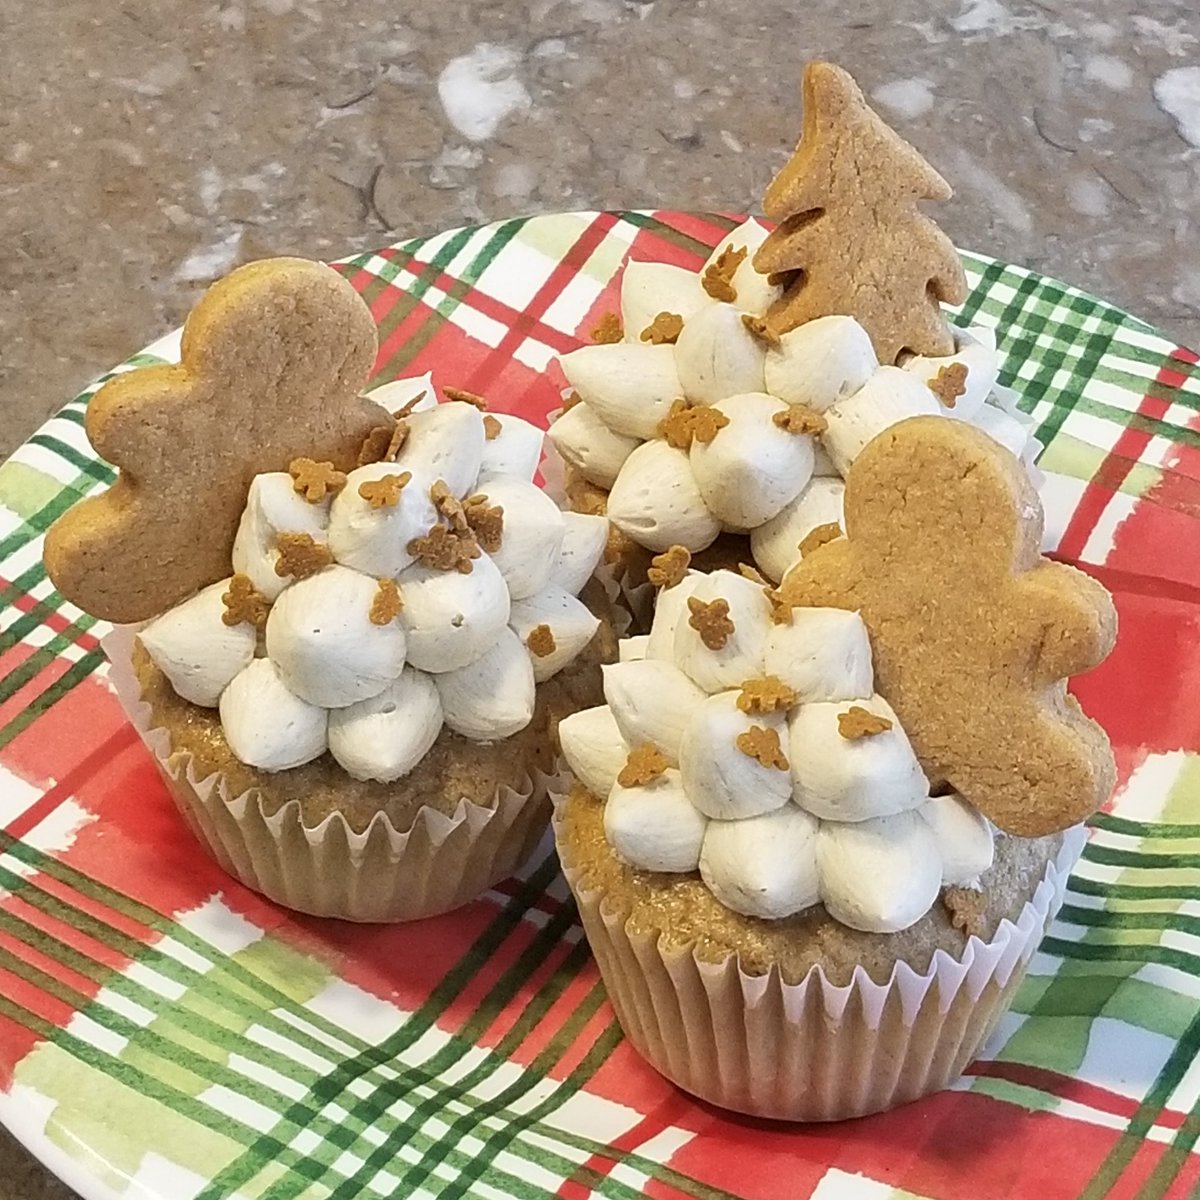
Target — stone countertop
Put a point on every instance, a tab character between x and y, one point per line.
148	149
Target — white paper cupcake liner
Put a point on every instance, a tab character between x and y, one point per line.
813	1050
328	870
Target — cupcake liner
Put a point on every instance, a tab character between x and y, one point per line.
814	1050
329	870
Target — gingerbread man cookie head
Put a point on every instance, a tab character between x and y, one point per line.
973	633
851	239
273	360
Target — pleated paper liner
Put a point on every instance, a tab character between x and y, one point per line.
380	875
812	1051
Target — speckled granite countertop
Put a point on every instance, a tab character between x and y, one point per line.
147	149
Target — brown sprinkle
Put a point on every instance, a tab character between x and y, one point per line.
950	383
781	609
407	407
448	506
300	555
718	278
664	330
441	549
753	574
711	621
375	445
644	765
573	398
761	330
684	424
453	393
608	330
798	418
669	567
244	602
396	441
315	480
387	604
818	536
858	722
384	492
765	695
965	907
485	521
491	427
763	746
541	641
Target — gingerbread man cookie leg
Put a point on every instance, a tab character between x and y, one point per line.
972	633
278	351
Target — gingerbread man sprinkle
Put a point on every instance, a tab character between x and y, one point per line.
491	427
384	492
448	506
441	549
711	621
608	331
644	765
300	555
243	602
766	695
950	383
781	608
669	567
798	418
685	424
485	521
664	330
858	722
746	571
718	278
387	605
965	908
763	746
375	445
541	641
315	480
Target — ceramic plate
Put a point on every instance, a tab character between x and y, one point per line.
166	1034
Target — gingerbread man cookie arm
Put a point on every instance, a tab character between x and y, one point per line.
274	356
1077	624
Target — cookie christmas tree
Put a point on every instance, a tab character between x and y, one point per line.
851	239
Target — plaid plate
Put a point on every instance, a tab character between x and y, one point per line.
167	1034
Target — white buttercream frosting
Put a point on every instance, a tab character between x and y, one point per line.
750	477
776	543
794	801
413	624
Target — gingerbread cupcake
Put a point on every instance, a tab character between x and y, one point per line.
818	830
346	633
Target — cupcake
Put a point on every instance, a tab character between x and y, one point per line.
718	414
819	826
347	640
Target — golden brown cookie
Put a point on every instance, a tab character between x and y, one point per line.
973	633
273	360
851	239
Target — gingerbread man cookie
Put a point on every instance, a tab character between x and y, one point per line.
973	633
273	360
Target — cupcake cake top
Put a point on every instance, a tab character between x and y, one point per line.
358	598
737	397
851	737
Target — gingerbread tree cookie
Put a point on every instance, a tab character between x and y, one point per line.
273	360
973	634
851	239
